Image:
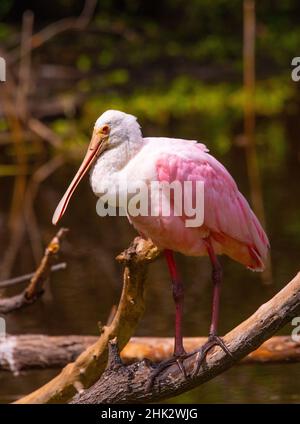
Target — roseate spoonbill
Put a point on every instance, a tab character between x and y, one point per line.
118	151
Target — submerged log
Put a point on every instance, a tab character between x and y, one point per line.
33	351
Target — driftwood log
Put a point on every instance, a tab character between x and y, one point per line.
130	384
33	351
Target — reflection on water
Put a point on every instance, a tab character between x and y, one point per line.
241	384
83	294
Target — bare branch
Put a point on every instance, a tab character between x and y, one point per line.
43	131
23	278
25	66
36	286
33	186
91	363
129	384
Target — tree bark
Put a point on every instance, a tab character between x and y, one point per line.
130	384
88	367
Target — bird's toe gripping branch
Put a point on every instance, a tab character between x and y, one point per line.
213	340
178	360
200	356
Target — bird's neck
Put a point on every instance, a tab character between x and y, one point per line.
108	167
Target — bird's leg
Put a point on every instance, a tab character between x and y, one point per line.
216	280
178	295
213	338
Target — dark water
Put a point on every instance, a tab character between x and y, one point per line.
84	293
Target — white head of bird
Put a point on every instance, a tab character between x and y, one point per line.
122	127
116	138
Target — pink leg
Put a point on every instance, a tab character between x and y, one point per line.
213	338
216	280
179	352
178	298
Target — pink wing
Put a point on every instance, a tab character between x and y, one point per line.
233	227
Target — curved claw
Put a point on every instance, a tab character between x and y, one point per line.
213	341
166	364
180	365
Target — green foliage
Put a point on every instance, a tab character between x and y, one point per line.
186	96
177	61
216	107
5	6
84	63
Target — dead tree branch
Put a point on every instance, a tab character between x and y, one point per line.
26	277
36	351
33	186
129	384
36	286
89	366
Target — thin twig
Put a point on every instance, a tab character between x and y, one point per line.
43	131
39	176
35	288
25	66
249	123
23	278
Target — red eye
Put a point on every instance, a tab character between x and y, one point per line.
105	129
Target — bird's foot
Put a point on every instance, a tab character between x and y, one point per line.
162	366
213	340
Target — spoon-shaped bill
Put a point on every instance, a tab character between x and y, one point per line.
93	151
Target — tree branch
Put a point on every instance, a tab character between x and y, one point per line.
89	366
129	384
36	286
26	277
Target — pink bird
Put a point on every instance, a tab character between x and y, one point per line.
118	152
